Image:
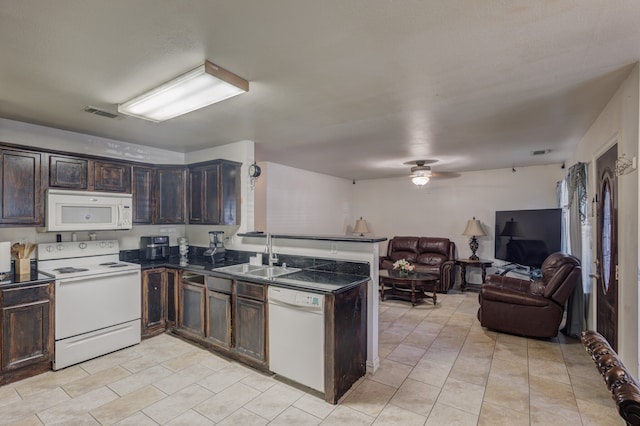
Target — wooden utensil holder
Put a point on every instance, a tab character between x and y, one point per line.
23	267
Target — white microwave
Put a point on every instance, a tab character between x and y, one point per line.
87	211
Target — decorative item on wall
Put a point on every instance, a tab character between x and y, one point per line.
254	173
198	88
421	174
473	230
625	165
361	227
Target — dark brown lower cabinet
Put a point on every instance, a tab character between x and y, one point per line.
219	295
191	313
250	321
27	331
159	291
345	339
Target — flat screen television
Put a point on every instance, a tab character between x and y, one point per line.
527	237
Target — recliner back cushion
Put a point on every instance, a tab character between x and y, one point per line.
403	248
434	245
556	270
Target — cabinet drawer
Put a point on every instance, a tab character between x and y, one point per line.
251	290
22	295
193	279
219	284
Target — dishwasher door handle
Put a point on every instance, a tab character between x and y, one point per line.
302	308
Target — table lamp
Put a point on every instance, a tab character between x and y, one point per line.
361	227
473	230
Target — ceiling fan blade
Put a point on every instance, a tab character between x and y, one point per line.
444	175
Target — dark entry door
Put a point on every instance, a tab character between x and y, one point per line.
607	247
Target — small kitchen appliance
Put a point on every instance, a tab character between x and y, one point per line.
215	252
154	247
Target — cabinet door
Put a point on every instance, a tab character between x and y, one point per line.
21	188
219	318
196	194
154	288
112	177
142	195
173	276
27	326
204	195
250	329
170	196
230	191
67	172
191	311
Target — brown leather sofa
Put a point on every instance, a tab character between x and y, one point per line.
430	255
530	308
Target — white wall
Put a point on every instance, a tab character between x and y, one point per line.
296	201
618	123
19	133
441	208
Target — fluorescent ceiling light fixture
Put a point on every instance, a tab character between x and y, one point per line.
198	88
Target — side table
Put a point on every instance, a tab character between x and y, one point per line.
469	263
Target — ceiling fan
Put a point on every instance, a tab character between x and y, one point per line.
421	173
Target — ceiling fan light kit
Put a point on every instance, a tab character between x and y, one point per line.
198	88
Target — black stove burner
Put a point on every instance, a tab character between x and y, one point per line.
118	265
70	270
108	263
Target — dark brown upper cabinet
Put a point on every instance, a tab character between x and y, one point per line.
214	193
169	195
68	172
21	188
88	174
111	176
143	194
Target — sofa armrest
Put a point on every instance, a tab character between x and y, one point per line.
511	296
447	277
508	282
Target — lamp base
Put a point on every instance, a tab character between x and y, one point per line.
473	245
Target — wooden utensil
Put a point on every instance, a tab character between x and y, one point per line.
14	250
30	249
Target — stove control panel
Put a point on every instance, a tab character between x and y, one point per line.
48	251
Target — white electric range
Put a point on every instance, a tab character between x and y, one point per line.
97	299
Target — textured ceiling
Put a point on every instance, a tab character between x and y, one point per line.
349	88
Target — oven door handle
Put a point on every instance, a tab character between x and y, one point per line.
105	275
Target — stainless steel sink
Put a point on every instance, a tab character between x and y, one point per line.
272	271
242	268
256	270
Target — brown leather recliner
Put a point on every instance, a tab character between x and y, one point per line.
530	308
431	255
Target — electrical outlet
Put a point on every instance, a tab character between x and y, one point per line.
334	248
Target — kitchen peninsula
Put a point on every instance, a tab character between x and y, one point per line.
233	308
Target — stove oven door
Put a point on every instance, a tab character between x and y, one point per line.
96	315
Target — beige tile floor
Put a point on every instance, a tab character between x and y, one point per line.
438	367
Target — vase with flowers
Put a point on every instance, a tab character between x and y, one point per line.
404	267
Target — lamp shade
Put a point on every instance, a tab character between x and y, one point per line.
361	227
510	229
474	228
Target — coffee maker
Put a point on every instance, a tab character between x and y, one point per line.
215	252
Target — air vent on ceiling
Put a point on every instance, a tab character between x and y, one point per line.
101	113
540	152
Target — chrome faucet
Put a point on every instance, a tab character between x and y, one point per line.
273	258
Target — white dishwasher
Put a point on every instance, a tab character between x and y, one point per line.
296	336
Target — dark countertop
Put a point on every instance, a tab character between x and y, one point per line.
308	279
35	277
337	238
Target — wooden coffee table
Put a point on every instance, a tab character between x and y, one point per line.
413	287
